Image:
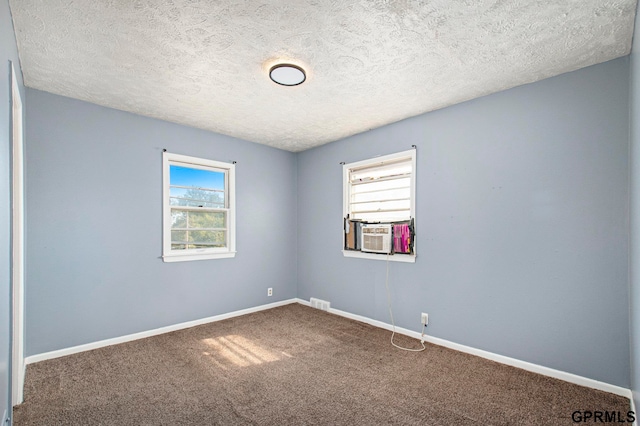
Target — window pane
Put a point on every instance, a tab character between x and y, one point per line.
200	219
187	176
178	218
197	219
178	237
208	238
196	187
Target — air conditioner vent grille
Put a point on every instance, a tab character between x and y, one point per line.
376	238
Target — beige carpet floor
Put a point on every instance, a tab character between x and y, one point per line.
293	365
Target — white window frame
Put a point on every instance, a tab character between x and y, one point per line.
170	255
346	197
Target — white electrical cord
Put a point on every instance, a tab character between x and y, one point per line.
393	325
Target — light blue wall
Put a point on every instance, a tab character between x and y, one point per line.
521	224
8	52
634	207
94	187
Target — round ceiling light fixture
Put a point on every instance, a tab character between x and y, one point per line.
287	74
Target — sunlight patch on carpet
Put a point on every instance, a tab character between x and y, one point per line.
238	351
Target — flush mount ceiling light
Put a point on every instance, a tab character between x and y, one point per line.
287	74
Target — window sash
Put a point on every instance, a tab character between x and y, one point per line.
187	228
194	202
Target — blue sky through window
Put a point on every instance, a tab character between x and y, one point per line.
186	176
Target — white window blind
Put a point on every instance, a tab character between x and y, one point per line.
381	190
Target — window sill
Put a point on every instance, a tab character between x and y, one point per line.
406	258
188	257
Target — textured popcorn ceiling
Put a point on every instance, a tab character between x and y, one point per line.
205	63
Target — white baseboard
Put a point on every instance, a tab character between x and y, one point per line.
128	338
535	368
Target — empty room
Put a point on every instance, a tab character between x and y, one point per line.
319	212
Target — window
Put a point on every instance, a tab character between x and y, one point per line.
198	208
379	190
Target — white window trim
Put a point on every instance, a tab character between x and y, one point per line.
169	255
407	258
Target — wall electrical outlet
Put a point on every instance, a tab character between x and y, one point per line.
269	291
424	319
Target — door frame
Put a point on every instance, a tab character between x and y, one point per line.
17	243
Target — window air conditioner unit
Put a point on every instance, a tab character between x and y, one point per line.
376	238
